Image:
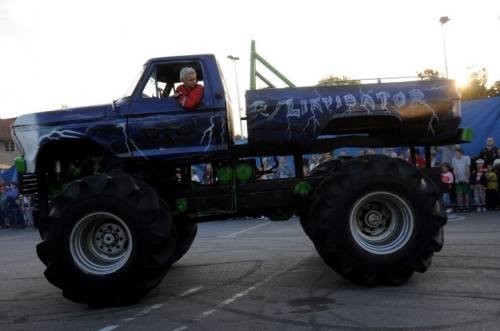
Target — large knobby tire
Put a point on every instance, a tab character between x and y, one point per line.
376	220
186	232
322	170
107	241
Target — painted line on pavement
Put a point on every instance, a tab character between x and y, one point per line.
190	291
456	218
244	293
109	328
149	309
233	235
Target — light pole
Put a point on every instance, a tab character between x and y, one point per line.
443	20
235	60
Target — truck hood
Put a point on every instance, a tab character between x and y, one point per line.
58	117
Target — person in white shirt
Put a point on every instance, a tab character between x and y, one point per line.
461	171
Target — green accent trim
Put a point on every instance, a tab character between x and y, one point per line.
264	79
274	70
252	66
244	172
466	134
303	189
254	56
224	174
20	164
181	206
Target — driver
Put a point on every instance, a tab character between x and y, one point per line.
189	94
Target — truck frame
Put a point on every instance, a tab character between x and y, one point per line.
118	202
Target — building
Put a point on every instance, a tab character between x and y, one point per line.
7	147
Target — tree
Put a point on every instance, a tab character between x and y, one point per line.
476	85
494	90
428	74
337	80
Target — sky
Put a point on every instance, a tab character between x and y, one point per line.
77	53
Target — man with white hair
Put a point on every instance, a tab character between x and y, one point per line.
190	93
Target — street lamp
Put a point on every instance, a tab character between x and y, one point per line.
235	60
443	20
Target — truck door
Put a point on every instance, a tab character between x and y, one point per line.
159	128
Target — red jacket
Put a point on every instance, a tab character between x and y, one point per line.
190	98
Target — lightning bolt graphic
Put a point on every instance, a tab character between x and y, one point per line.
56	135
289	128
208	133
418	99
223	129
122	126
139	150
312	119
439	87
434	118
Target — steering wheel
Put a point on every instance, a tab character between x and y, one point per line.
160	92
168	88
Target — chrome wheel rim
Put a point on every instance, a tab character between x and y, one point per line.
100	243
381	222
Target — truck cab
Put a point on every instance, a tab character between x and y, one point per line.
160	128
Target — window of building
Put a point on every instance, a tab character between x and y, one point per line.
9	146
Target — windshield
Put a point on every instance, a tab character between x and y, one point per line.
132	86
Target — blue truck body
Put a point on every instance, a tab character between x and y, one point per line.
119	194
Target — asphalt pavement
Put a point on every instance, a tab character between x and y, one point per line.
262	275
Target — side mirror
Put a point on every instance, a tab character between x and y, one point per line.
114	105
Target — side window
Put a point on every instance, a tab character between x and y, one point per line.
164	80
275	167
151	88
202	174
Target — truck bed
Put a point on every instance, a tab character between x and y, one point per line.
405	113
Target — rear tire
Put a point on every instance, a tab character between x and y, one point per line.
322	170
107	240
376	220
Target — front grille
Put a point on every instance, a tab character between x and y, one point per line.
28	183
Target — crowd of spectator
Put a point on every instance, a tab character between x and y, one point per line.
468	183
472	182
15	210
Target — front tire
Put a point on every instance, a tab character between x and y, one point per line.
186	233
107	241
376	220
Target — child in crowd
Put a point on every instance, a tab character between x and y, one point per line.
491	188
447	183
478	183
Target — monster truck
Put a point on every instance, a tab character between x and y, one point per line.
118	205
